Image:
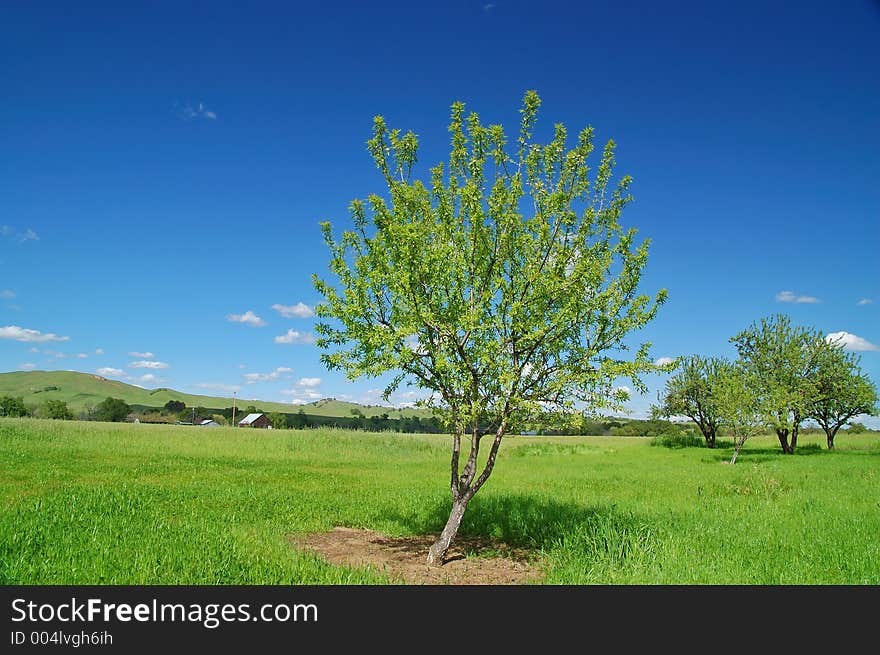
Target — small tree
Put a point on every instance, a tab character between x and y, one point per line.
175	406
504	286
740	407
783	361
87	413
12	406
690	392
844	392
278	420
56	409
112	410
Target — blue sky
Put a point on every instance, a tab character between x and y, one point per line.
164	166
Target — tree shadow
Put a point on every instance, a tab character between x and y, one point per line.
521	521
764	453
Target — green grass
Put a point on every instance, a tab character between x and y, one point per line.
81	389
87	503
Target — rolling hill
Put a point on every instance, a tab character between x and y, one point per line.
80	390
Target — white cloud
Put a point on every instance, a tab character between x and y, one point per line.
81	356
99	351
27	366
248	318
32	336
865	301
663	361
790	296
147	377
293	336
55	354
108	371
7	294
398	399
851	342
253	378
21	236
146	355
200	111
301	396
217	386
33	349
28	235
408	398
300	310
304	390
148	364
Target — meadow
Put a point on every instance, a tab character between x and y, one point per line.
98	503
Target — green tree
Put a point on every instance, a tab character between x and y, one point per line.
278	420
12	406
844	392
112	410
175	406
743	411
56	409
783	360
690	392
300	420
504	285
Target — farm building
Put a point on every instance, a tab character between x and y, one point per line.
209	423
255	421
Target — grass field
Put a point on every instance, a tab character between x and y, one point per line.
90	503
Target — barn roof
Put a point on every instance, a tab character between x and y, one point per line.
250	418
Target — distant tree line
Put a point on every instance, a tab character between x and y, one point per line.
111	409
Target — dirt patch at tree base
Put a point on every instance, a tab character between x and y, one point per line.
403	558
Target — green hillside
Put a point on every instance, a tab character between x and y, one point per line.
80	390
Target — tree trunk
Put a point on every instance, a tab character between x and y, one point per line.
831	433
793	444
735	453
437	552
783	441
710	439
464	488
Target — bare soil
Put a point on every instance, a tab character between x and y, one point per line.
470	561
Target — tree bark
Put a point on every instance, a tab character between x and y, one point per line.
462	492
793	444
437	551
831	433
783	441
735	453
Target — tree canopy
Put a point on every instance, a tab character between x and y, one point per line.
691	392
783	359
843	392
112	410
12	406
503	286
